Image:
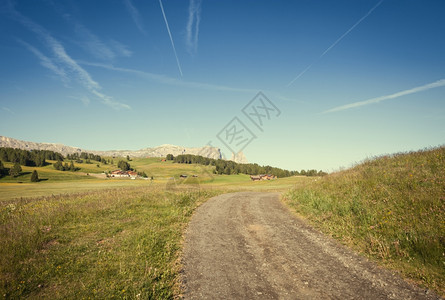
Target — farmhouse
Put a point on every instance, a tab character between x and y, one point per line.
262	177
255	178
124	174
119	173
132	174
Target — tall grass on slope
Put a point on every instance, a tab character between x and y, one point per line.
391	208
120	243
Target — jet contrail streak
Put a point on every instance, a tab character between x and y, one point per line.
336	42
436	84
171	38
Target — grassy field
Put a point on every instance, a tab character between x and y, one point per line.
54	182
118	243
77	236
11	191
392	209
165	174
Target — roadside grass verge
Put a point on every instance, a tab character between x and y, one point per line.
118	243
391	208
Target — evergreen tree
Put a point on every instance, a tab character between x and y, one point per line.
3	154
22	160
34	176
72	167
170	157
123	165
58	165
15	170
40	160
2	169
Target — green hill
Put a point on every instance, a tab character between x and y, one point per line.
391	208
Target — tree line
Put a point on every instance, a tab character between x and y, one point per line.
14	171
58	165
229	167
88	157
33	158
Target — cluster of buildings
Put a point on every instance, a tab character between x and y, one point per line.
263	177
124	174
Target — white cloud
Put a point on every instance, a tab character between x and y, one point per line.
84	99
65	62
8	110
169	80
418	89
109	101
192	28
135	15
121	49
92	44
47	62
82	75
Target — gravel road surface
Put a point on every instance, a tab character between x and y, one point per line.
249	246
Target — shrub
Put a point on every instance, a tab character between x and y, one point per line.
34	176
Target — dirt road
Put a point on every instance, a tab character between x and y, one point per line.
249	246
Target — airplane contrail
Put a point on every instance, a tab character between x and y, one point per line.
436	84
192	28
171	38
135	15
336	42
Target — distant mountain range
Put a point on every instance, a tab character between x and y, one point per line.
159	151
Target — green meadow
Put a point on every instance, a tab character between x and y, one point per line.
391	209
82	235
115	243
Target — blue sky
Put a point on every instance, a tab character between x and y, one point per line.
349	79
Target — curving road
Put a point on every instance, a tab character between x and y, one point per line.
249	246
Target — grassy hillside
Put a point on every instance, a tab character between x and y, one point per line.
54	182
391	208
119	243
48	173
